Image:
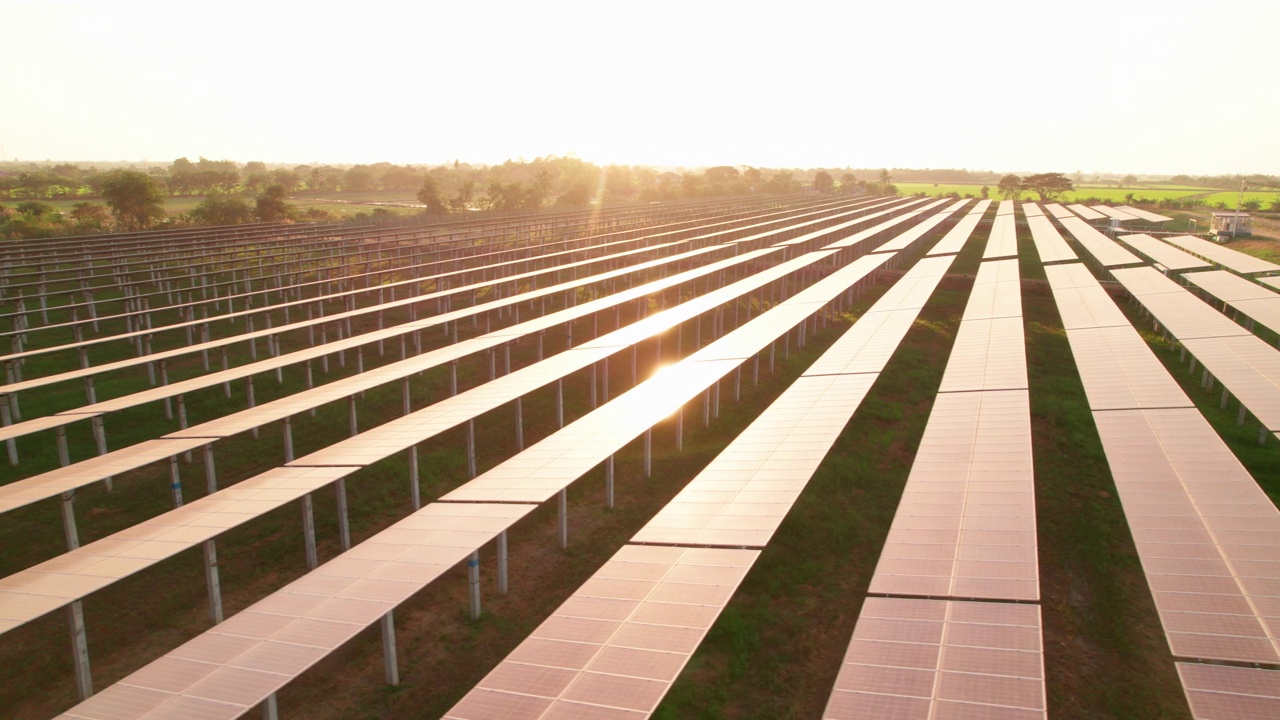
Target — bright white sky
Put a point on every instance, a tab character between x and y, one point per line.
1124	85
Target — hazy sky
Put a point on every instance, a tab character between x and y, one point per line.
1160	87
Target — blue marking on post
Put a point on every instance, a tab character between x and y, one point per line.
473	563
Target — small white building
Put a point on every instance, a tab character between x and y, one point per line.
1232	224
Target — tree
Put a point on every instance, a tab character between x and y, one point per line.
222	209
90	217
1129	180
885	177
290	179
271	205
460	202
822	181
986	192
358	179
1048	185
33	208
429	195
720	174
578	194
690	185
1011	187
399	177
781	182
504	196
134	198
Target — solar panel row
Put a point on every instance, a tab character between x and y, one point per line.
964	531
1224	256
1170	257
284	360
1144	214
225	248
1250	300
414	300
955	239
1248	367
1204	530
737	501
1104	250
1085	212
1049	243
699	365
21	595
1058	211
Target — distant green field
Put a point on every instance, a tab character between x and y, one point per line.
909	188
1120	195
1230	198
172	205
357	197
1105	194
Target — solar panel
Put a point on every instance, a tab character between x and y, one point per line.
941	659
864	219
741	498
954	240
1071	275
1220	692
434	420
1049	243
287	406
906	239
47	422
237	664
1086	212
1185	316
86	472
870	343
1106	251
867	346
878	228
1205	531
1120	372
43	588
1115	213
914	290
1058	211
1229	287
988	355
1224	256
1032	210
618	643
402	433
1171	257
1248	367
1143	214
997	291
965	527
1081	301
1143	281
1003	241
